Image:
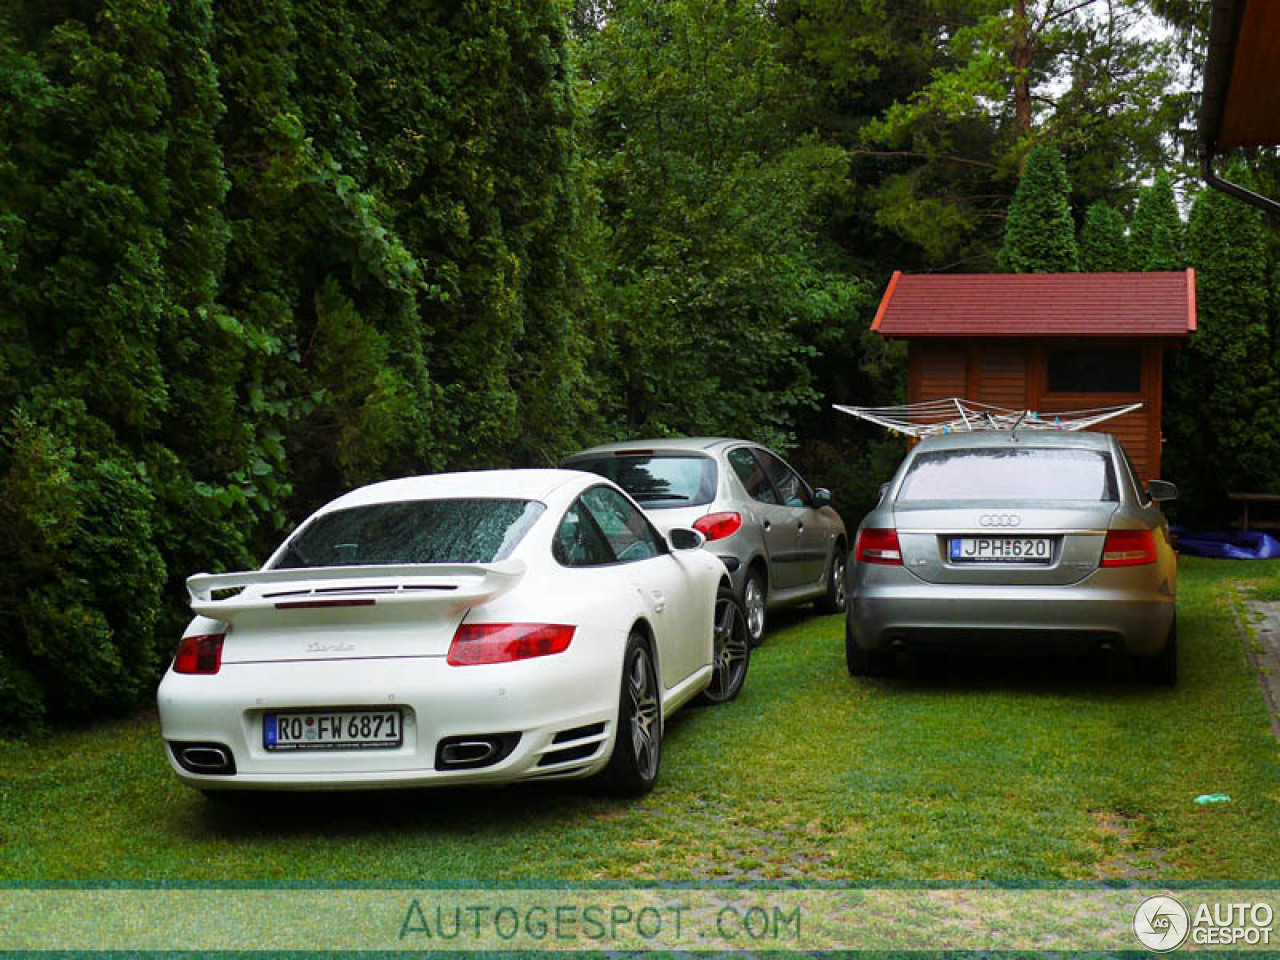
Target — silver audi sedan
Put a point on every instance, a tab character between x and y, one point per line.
780	539
1033	541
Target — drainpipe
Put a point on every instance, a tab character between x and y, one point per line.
1233	189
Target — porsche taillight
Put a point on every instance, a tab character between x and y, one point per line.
1129	548
199	653
878	546
476	643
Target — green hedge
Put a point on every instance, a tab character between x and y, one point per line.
250	256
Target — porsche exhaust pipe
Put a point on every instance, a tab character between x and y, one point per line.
210	759
468	752
474	750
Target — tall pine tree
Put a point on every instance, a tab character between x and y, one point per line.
1040	236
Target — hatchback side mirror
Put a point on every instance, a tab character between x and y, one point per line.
884	488
822	497
683	538
1162	490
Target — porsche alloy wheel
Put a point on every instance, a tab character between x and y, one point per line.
637	748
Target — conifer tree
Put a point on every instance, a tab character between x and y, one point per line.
1156	234
1224	397
1104	248
1040	236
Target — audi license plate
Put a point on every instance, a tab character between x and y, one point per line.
333	730
1000	550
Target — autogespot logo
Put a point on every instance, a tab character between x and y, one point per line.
1161	923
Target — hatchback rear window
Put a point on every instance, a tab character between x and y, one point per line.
1025	473
657	481
414	531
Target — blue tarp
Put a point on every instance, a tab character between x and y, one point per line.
1227	544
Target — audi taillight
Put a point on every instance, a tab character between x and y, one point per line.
878	546
717	526
199	653
1129	548
475	643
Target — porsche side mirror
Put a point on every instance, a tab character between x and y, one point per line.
683	538
822	497
1162	490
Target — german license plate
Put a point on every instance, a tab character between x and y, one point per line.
1000	550
333	730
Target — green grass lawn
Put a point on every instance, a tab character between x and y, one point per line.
1259	580
1030	773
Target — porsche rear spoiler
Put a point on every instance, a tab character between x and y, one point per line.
460	585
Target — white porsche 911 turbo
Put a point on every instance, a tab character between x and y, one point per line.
462	628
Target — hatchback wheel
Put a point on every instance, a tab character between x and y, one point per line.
753	600
637	745
835	599
731	652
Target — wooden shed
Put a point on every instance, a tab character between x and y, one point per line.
1045	342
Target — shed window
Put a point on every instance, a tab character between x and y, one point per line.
1095	370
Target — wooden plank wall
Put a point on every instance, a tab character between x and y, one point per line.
936	371
1001	377
1014	373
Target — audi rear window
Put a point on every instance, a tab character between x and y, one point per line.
478	530
657	481
1024	473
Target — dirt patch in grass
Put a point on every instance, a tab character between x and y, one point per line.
1122	854
750	847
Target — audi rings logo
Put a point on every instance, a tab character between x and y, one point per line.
999	520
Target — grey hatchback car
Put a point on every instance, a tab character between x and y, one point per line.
1037	541
780	539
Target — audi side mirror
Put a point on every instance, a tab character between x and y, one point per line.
822	497
683	538
1162	490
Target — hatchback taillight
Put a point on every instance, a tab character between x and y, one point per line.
878	546
200	653
476	643
717	526
1129	548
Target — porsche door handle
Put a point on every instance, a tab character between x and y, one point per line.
659	600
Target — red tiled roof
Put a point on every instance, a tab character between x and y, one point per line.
1038	305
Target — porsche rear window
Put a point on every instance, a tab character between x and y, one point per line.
1025	473
657	481
414	531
